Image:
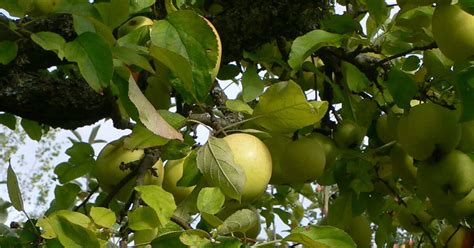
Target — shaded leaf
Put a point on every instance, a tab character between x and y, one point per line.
8	51
64	197
355	79
81	162
32	128
170	239
131	56
194	237
113	13
8	120
216	162
252	84
402	87
14	190
191	174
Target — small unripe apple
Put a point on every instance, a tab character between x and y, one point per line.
403	166
348	134
386	128
466	144
133	24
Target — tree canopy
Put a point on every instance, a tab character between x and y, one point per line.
353	125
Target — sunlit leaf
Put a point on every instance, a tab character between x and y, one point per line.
158	199
240	221
103	217
321	236
50	41
210	200
143	218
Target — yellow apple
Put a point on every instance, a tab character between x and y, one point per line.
174	172
452	28
428	129
133	24
451	237
109	174
253	156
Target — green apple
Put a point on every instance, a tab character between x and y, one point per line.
451	30
133	24
403	166
386	128
360	231
329	148
428	129
109	174
174	172
451	178
253	156
42	7
277	146
348	134
303	161
466	144
451	237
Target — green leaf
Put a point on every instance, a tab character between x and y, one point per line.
194	238
8	51
8	120
150	118
14	190
136	6
212	220
378	10
210	200
411	63
252	84
131	56
50	41
81	162
465	86
309	43
143	218
158	199
283	109
103	217
113	13
216	162
341	24
228	72
94	58
170	239
4	205
467	5
238	106
32	128
191	174
355	79
73	235
402	87
321	236
187	38
13	7
240	221
64	197
142	138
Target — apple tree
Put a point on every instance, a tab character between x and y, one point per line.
353	124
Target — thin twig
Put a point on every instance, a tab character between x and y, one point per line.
427	47
84	202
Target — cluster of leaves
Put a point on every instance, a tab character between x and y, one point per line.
335	74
